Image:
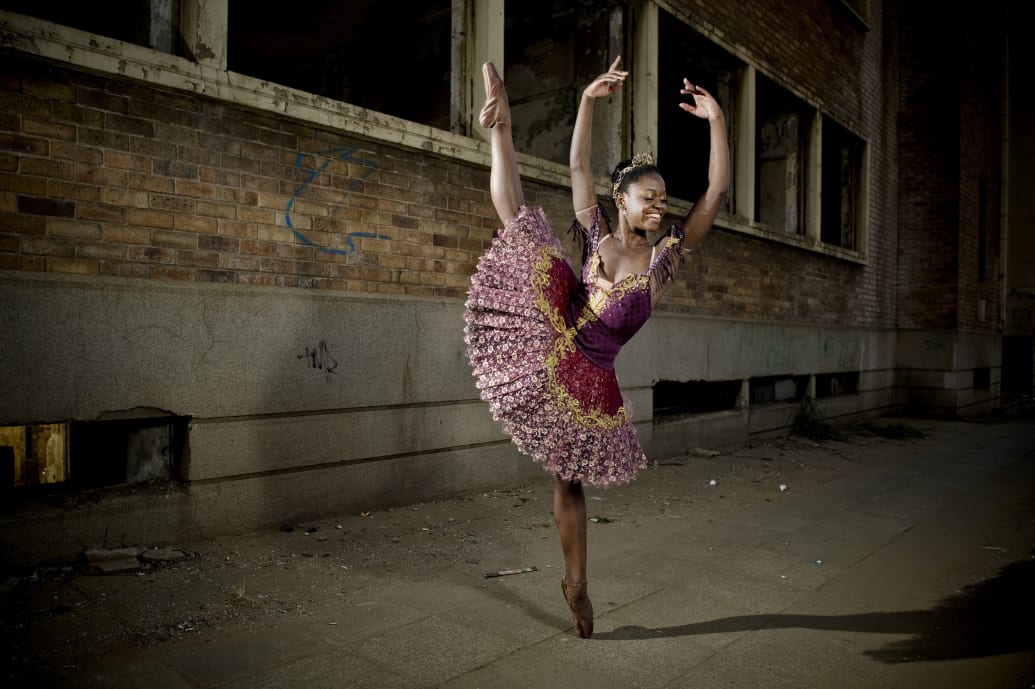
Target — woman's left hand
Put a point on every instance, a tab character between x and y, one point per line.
705	106
608	82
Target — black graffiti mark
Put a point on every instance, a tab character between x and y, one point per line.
320	358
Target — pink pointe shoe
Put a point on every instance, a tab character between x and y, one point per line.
497	108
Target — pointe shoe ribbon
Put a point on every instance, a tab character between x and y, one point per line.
581	608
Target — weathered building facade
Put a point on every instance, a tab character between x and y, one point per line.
235	242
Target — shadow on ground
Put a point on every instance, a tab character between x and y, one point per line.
991	618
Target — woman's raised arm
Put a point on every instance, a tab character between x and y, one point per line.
583	189
700	218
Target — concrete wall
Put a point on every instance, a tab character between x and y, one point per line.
386	413
936	371
287	271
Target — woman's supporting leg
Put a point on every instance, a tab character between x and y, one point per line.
504	180
569	514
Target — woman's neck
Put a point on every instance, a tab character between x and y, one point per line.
627	233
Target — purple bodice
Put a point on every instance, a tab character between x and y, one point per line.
606	318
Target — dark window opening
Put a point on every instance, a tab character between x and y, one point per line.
553	49
372	54
982	258
684	141
694	397
778	389
859	10
982	378
91	454
841	186
131	21
1018	369
833	384
781	141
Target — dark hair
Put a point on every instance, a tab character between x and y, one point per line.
620	182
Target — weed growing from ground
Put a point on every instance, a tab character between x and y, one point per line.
809	423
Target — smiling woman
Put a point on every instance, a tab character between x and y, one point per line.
542	342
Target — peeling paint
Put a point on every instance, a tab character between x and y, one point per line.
204	52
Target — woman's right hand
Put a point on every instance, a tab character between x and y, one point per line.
608	82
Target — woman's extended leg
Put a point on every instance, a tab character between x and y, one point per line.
569	514
504	181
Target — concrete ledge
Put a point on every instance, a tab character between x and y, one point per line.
674	436
39	531
255	445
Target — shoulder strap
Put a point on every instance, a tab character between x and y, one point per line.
667	259
589	238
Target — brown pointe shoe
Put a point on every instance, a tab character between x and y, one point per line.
581	609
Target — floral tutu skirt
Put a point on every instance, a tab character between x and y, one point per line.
558	407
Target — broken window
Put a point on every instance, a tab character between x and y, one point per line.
684	142
91	454
842	179
376	55
553	49
770	389
781	144
148	23
694	397
833	384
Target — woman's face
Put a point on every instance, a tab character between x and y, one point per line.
644	202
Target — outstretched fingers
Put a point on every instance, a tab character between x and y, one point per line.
704	104
608	82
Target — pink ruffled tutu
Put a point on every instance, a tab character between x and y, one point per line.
534	334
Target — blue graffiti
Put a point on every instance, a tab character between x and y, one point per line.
341	154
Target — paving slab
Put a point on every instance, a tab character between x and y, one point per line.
884	563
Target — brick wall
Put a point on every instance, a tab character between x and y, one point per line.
929	137
981	91
107	177
110	177
823	55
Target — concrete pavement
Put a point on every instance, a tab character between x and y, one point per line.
879	563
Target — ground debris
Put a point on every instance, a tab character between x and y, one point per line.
510	572
112	560
163	555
